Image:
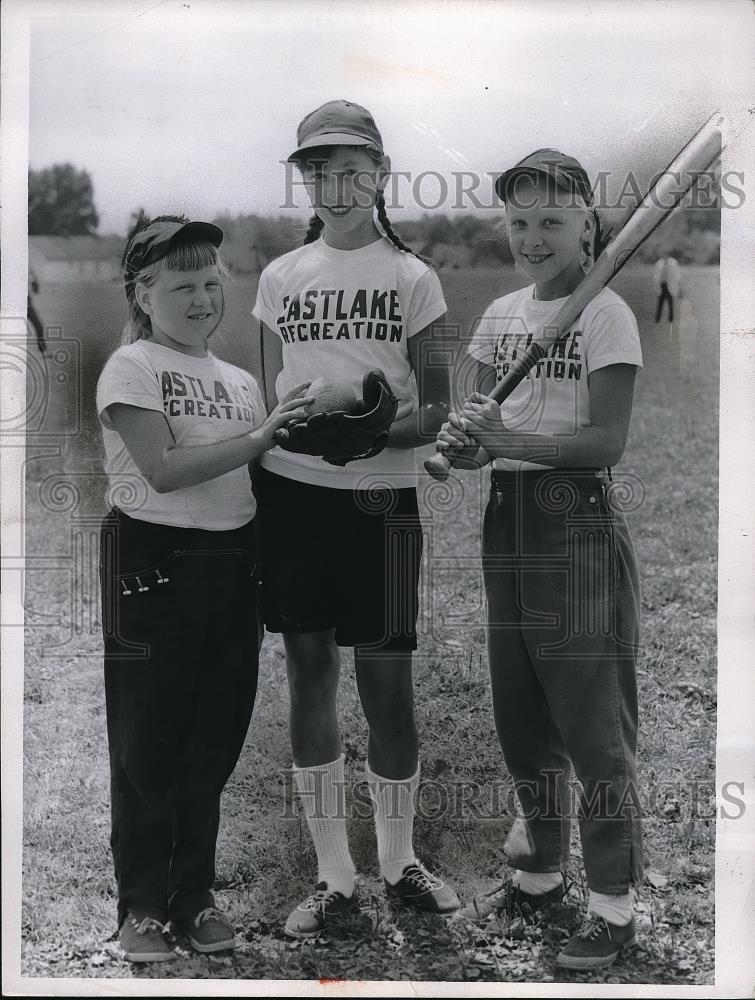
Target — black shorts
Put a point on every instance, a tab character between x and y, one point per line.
342	559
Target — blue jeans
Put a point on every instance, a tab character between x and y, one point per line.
181	656
563	631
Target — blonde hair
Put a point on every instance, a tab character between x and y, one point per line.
591	245
184	255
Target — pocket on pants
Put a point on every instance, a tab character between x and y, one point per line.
142	579
140	605
566	591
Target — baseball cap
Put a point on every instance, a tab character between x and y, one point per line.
337	123
152	243
566	172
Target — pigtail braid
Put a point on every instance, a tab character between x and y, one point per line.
315	228
594	247
602	237
392	234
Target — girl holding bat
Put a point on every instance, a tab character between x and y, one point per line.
560	571
341	543
180	427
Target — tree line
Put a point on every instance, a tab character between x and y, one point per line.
61	202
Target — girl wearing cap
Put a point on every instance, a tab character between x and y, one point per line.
178	581
560	570
342	544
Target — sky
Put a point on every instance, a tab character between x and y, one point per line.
192	106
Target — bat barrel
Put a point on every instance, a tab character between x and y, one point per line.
698	155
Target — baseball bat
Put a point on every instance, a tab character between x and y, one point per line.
700	153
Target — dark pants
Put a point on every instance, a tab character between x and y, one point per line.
665	296
36	322
181	657
563	630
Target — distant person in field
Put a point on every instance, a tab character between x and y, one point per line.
668	279
179	583
559	566
32	314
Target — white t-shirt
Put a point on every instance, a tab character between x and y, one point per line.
204	400
340	313
667	270
553	399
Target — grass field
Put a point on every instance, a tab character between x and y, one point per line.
265	860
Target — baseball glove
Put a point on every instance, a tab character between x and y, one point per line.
340	437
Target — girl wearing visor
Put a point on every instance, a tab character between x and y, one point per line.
342	543
560	571
177	567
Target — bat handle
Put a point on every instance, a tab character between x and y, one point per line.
440	464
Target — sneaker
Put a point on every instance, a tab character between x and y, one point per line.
323	906
596	944
143	940
510	901
418	888
208	931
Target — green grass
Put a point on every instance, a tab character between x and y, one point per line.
265	860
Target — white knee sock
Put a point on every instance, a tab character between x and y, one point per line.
322	796
394	821
614	909
537	883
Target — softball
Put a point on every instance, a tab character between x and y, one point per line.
331	395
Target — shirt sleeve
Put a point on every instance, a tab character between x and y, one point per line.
482	345
612	338
426	303
127	379
264	306
258	404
